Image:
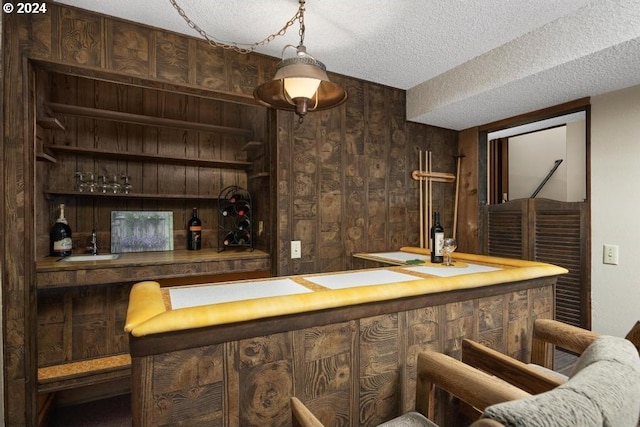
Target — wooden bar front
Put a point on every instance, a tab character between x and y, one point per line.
351	363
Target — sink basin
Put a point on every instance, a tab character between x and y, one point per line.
88	258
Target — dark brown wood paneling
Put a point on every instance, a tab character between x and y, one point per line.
381	347
374	205
468	209
352	365
365	213
79	37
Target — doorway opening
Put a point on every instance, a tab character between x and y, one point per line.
546	159
535	201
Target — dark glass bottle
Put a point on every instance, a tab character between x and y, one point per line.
243	238
244	224
226	207
437	238
60	244
242	208
235	198
229	239
194	232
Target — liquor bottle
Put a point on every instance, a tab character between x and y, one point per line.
60	243
437	238
194	232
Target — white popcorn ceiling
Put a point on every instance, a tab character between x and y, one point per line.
463	62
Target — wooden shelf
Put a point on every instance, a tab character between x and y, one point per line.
252	145
55	193
46	157
85	372
259	175
50	123
158	158
138	119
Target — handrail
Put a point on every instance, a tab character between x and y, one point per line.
544	181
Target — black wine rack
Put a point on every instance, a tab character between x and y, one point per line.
235	215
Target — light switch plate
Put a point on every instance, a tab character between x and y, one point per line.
610	254
296	249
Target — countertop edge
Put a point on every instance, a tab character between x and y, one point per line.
237	311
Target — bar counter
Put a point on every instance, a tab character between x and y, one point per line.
172	267
343	342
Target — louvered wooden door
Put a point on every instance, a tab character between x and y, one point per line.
547	231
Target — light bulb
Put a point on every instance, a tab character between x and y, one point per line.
301	87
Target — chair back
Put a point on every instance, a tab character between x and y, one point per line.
604	390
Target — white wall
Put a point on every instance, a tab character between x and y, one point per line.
531	158
576	161
615	209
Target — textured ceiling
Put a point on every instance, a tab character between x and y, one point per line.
462	62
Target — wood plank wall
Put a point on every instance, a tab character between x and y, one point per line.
340	181
344	182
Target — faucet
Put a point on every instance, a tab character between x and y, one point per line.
93	244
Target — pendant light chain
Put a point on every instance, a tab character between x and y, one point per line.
244	48
301	20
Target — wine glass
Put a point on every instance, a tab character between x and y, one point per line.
126	184
80	184
90	181
449	245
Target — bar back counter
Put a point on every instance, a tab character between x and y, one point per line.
345	343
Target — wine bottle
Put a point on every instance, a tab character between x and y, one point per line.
235	198
243	238
194	232
60	244
242	208
244	224
226	207
229	239
437	238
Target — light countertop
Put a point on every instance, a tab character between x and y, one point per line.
153	309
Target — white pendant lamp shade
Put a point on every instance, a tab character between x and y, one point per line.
301	87
301	84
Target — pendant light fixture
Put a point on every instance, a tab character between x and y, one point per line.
301	83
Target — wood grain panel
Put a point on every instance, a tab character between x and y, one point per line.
79	37
209	65
266	379
172	53
128	48
380	358
192	389
355	372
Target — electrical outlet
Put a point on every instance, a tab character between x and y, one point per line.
610	254
296	250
